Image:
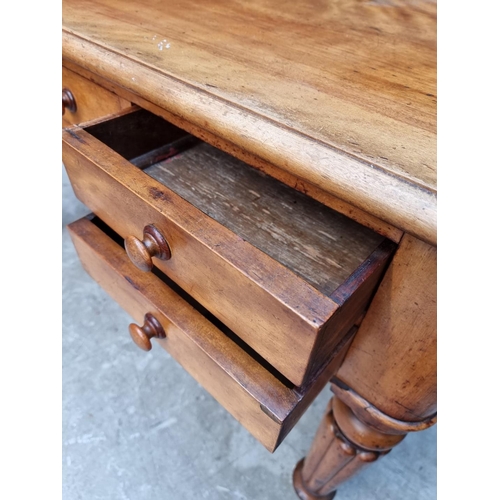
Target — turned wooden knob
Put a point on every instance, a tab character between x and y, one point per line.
142	335
68	101
153	244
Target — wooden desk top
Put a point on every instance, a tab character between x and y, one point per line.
339	93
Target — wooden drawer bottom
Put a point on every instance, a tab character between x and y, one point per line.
263	401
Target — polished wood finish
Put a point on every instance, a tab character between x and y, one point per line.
220	270
293	83
360	434
353	296
68	101
257	399
142	335
374	417
386	385
91	100
299	184
342	447
392	362
338	101
318	244
141	252
253	392
271	307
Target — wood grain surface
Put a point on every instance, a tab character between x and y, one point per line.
317	243
92	101
392	362
271	307
299	184
342	447
238	382
341	94
263	402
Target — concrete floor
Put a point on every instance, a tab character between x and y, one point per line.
136	426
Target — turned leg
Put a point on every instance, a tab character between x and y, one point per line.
386	385
343	445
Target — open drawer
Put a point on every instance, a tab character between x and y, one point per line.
262	400
289	276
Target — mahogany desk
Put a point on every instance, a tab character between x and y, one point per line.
335	99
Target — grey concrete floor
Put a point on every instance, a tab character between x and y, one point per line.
136	426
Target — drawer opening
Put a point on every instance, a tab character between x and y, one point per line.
113	235
142	137
317	243
288	275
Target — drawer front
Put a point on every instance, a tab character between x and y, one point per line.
263	403
92	101
276	312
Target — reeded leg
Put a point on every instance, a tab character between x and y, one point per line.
386	385
342	446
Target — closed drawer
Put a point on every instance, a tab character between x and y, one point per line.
287	275
256	395
91	100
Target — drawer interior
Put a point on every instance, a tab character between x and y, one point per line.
289	276
317	243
